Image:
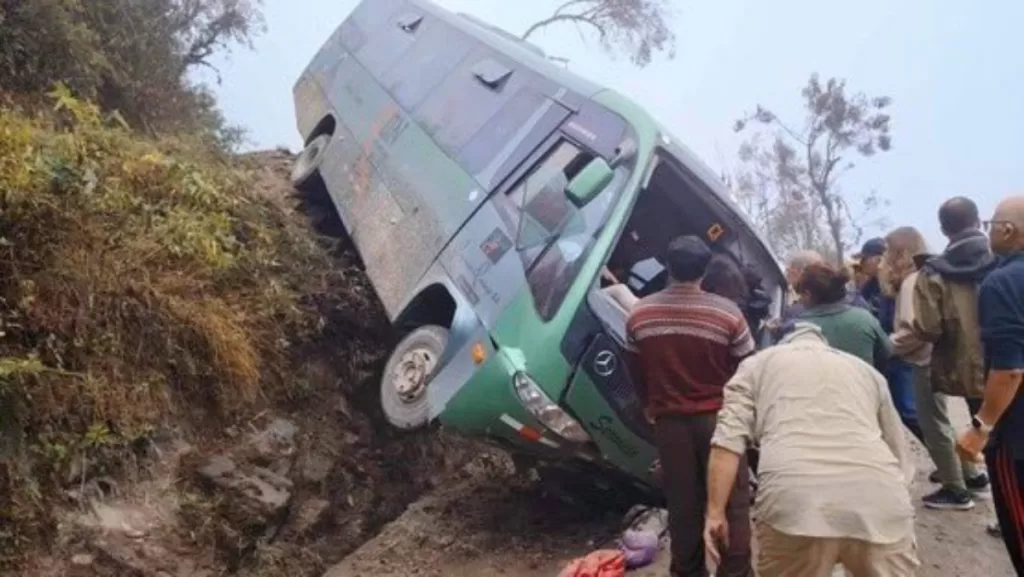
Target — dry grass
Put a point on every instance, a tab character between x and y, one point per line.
141	283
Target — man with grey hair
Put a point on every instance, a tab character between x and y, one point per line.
798	262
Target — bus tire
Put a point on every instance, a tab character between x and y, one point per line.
305	175
412	365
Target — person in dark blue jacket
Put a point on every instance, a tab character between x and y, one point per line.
870	259
998	426
899	374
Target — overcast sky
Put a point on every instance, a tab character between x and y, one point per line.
954	69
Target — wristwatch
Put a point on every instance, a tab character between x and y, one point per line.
980	425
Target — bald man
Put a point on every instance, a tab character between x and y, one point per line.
998	427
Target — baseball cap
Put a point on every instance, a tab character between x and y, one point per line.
873	247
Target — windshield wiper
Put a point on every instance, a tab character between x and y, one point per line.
544	250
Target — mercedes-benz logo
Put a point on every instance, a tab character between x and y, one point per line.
605	363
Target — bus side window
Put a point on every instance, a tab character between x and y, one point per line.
540	195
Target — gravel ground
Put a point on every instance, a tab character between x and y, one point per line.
492	524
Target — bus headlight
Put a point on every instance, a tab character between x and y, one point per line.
547	411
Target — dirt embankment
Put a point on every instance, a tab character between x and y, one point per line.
187	370
286	489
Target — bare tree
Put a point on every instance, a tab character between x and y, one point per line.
790	175
205	27
639	28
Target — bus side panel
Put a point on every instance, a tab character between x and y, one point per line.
439	49
366	19
482	259
483	263
392	183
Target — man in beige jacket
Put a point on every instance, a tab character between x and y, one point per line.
907	252
835	469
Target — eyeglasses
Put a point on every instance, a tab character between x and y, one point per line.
988	225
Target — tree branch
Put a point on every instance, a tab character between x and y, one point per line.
792	133
578	18
568	5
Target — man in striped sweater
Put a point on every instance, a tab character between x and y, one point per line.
683	346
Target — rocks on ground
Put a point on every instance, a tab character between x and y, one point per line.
279	500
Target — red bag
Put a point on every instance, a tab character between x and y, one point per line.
604	563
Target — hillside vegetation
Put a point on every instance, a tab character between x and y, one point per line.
173	332
142	283
138	57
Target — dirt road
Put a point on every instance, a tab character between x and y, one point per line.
491	525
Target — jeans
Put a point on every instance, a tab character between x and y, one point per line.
900	376
939	436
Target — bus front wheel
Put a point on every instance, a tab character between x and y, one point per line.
409	370
305	175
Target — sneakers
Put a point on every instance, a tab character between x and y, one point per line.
949	500
978	484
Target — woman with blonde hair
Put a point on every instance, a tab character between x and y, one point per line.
906	250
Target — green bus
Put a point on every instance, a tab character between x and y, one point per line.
486	190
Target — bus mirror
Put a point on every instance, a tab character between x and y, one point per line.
589	182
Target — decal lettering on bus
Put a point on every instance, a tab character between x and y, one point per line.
605	426
489	290
590	136
467	289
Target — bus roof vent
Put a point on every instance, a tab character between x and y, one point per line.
504	34
491	73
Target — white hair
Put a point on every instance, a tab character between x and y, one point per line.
804	258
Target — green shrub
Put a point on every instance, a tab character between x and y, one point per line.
134	56
141	283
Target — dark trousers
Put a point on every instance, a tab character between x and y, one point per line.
684	446
1007	477
900	376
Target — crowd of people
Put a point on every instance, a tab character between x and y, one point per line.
862	354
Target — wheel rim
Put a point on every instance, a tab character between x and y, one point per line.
412	372
306	160
312	152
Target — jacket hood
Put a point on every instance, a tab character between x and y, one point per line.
968	257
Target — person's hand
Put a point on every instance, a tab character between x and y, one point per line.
716	536
607	276
650	418
970	444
